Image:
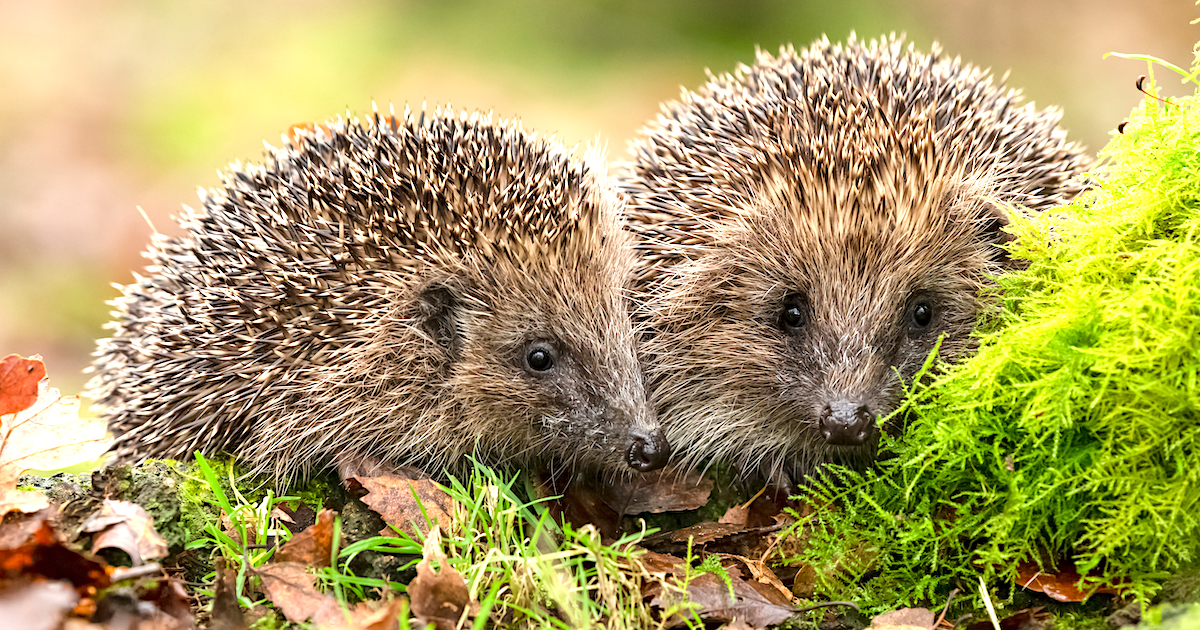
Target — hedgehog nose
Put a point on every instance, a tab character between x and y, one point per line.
846	423
649	452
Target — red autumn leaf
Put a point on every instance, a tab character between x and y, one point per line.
47	435
1061	585
128	527
19	378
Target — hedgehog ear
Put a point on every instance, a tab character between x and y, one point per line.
437	306
992	221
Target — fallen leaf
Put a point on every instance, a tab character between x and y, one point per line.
293	590
699	534
42	555
37	605
311	547
661	563
1035	618
19	378
579	504
382	618
1061	585
439	597
299	519
171	598
710	596
761	574
21	529
804	583
46	436
399	500
226	614
671	489
126	526
735	515
905	619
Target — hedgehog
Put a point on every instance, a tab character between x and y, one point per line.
383	293
811	227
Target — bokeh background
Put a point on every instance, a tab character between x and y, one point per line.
111	105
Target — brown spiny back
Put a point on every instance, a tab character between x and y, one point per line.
367	296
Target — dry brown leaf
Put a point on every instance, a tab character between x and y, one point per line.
804	584
42	555
126	526
671	489
579	503
293	590
311	547
761	574
735	515
1035	618
395	499
22	529
19	378
700	533
661	564
439	597
226	614
46	436
1062	585
905	619
383	618
170	597
710	595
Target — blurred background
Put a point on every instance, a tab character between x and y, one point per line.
108	105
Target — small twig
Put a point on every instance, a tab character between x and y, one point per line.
945	609
132	573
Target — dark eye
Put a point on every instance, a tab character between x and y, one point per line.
794	314
539	357
922	314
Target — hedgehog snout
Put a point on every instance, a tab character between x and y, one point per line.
649	450
846	422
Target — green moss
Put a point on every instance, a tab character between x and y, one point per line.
198	504
1074	433
1171	618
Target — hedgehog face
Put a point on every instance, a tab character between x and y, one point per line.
564	378
812	321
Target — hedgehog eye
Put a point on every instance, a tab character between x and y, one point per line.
794	314
539	357
922	314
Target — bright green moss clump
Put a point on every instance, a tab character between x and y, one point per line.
1074	433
